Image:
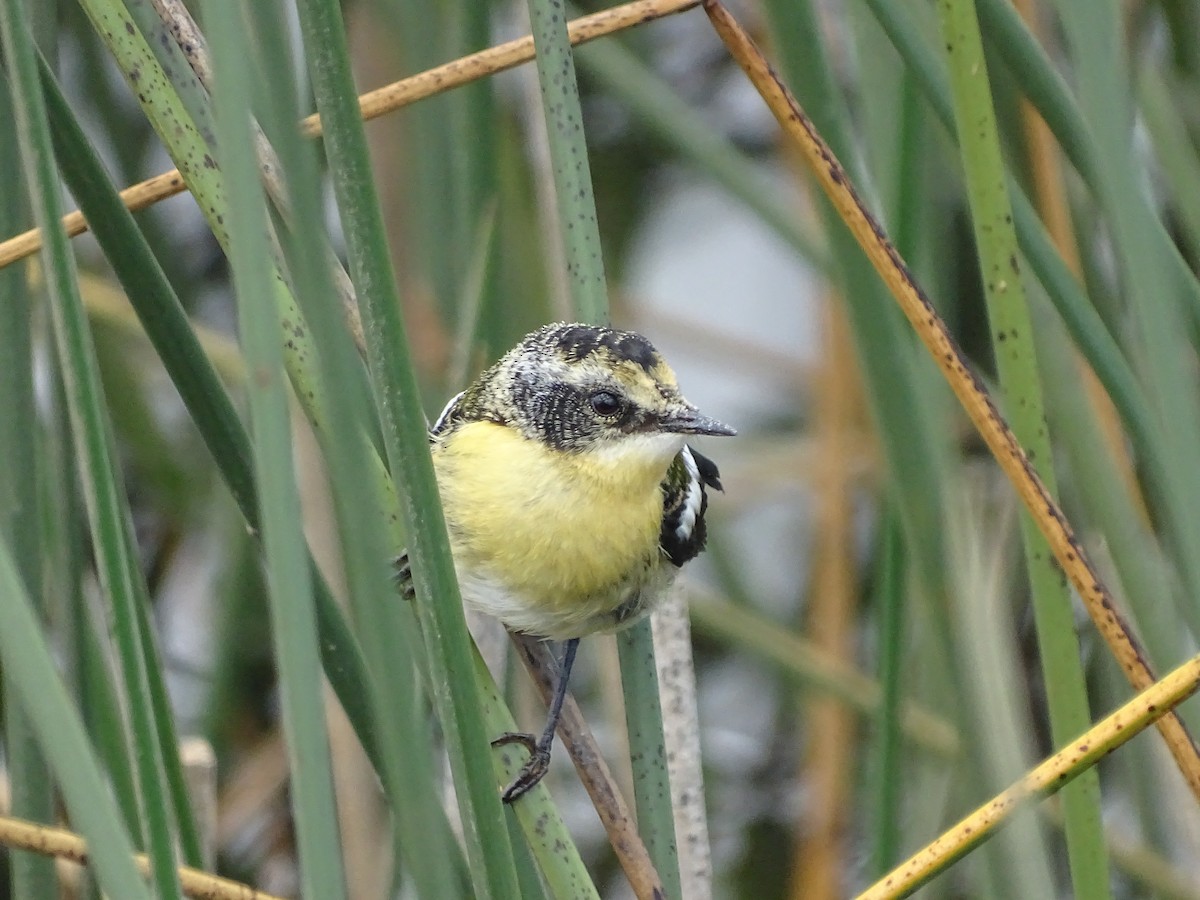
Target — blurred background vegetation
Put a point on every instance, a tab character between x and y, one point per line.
867	664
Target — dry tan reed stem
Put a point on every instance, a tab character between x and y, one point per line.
18	834
593	772
384	100
966	385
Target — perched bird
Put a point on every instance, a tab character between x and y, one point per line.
570	495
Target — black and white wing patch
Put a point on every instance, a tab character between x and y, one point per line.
685	501
446	415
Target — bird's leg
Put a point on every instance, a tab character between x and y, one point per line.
539	750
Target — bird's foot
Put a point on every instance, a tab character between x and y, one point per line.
402	575
535	767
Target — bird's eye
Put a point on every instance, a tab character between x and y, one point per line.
605	403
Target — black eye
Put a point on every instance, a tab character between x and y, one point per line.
605	403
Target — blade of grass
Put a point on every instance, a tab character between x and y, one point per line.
107	512
201	389
568	154
562	869
887	760
293	613
85	670
648	752
984	561
1096	476
1175	150
434	188
893	389
164	719
967	387
1087	328
32	791
896	387
1097	136
610	806
387	627
28	663
188	52
174	62
1020	379
397	396
210	406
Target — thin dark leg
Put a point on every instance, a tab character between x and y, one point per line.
539	751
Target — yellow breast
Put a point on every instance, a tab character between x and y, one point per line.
565	534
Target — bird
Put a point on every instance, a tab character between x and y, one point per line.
570	494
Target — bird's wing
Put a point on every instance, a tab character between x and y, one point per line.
447	415
685	500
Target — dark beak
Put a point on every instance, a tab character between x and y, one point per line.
688	420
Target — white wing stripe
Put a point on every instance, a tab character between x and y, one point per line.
694	498
441	419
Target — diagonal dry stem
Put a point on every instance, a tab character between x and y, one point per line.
593	772
387	99
1044	779
966	386
18	834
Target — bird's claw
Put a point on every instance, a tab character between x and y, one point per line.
402	575
535	767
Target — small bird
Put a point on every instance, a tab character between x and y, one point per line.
570	495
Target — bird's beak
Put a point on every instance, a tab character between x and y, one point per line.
689	420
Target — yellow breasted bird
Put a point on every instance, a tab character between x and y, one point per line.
570	496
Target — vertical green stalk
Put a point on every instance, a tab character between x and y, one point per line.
1012	340
293	614
569	156
1102	493
397	396
589	298
1047	90
387	628
207	402
647	752
168	736
31	787
159	702
1157	102
1159	289
1157	293
106	510
28	663
888	766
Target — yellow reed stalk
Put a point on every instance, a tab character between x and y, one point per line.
18	834
1085	751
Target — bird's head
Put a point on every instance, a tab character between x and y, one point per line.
588	389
